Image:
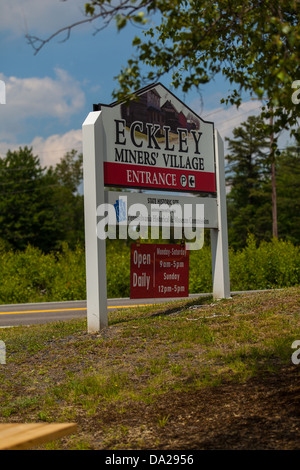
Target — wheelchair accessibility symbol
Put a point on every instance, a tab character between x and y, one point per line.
192	182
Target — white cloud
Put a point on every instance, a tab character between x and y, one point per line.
53	148
226	119
38	97
39	16
38	104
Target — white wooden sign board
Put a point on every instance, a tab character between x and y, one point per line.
165	206
122	148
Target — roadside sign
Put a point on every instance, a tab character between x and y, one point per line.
160	206
157	142
154	142
159	270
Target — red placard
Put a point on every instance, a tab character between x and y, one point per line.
159	270
156	141
160	178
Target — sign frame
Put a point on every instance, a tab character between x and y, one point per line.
93	133
157	142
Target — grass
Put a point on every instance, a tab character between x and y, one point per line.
58	372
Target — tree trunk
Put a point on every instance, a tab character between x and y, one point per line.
273	174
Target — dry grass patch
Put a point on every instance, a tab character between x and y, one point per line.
159	376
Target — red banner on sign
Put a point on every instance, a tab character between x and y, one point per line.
159	270
118	174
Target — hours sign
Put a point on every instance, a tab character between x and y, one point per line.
159	270
153	142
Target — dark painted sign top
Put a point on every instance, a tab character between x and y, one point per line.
157	142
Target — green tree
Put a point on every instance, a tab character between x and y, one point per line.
249	200
24	210
67	198
40	206
248	177
288	193
69	170
255	45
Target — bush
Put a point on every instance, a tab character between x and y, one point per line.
118	269
69	282
26	276
32	276
200	279
272	264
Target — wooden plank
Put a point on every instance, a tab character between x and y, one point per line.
16	436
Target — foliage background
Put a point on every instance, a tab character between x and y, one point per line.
42	254
33	276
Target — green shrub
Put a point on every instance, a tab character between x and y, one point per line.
26	276
274	264
32	276
200	279
118	269
69	282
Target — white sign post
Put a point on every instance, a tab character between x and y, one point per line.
92	134
159	144
219	237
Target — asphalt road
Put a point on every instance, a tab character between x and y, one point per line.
29	314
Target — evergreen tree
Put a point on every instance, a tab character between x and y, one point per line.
68	174
288	193
22	215
249	201
40	206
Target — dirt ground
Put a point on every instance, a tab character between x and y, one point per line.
262	414
156	409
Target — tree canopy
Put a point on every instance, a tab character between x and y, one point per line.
248	170
254	44
288	192
40	206
249	180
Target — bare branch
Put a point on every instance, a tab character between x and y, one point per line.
107	13
38	43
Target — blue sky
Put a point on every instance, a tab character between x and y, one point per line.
49	95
